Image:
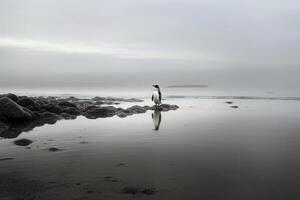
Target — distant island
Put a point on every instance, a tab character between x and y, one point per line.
187	86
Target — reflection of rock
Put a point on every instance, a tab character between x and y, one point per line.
10	111
30	112
156	117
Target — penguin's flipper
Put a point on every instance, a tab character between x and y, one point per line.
159	93
152	97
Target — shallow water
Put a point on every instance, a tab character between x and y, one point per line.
203	150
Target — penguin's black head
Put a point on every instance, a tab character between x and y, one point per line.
156	86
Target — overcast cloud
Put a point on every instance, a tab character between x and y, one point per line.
125	42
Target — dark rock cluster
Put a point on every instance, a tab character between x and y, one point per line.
22	113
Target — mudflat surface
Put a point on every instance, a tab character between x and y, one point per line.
204	150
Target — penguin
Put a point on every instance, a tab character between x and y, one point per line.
156	96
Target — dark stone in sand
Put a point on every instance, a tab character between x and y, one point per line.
53	149
229	102
234	106
135	190
122	164
130	190
110	179
10	111
149	191
22	142
3	159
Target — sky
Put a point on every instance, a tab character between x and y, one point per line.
93	43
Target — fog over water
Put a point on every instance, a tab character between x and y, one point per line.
75	44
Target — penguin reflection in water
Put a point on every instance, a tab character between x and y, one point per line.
156	115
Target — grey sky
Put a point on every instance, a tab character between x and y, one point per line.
111	42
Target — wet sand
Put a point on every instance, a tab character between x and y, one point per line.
204	150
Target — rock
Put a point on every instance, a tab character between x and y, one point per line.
26	101
3	127
100	112
98	99
149	191
22	142
164	107
37	111
71	111
135	190
121	114
229	102
110	99
51	107
94	112
136	109
234	106
4	159
130	190
71	99
133	100
67	116
12	97
67	104
12	112
48	115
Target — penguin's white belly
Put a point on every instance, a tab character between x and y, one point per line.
156	97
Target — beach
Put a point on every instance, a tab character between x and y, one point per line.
209	148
